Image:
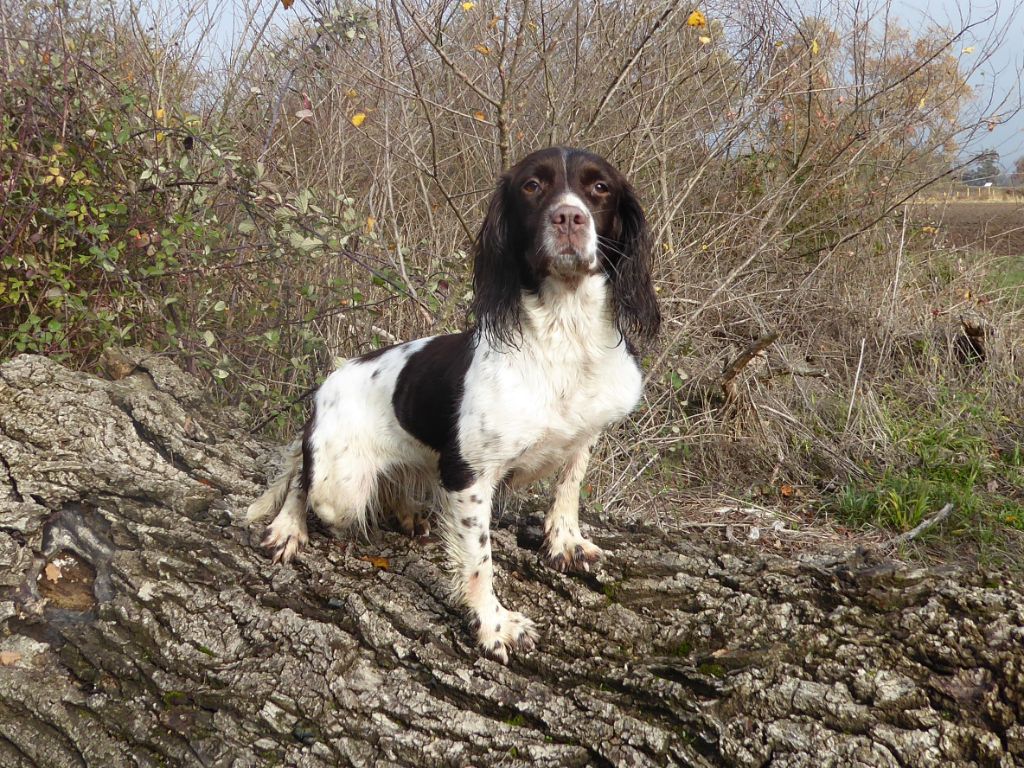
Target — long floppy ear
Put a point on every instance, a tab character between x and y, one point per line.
496	271
636	306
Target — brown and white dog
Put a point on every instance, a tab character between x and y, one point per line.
562	291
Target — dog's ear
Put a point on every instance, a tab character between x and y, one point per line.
636	306
496	270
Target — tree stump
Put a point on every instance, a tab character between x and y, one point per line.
143	625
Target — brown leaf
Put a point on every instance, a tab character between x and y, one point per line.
786	490
7	658
377	562
52	571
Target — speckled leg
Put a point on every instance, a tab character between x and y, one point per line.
467	536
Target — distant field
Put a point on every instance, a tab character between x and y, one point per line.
997	227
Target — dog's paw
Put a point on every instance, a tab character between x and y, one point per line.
415	526
505	632
569	551
284	540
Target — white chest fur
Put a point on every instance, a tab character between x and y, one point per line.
570	377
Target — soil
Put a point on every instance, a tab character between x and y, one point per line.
997	227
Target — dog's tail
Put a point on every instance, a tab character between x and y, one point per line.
276	495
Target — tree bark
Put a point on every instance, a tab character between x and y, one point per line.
143	625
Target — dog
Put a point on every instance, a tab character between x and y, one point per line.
562	296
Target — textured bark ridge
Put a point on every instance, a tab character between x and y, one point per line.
143	626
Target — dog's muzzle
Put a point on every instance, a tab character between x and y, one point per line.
571	236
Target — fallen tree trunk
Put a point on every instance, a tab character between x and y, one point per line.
144	626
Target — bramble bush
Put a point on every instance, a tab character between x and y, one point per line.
127	222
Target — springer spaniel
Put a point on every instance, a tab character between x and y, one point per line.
562	291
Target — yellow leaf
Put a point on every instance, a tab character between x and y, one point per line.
371	222
159	115
468	6
351	93
493	22
704	39
969	49
478	115
482	49
160	135
779	43
815	47
696	19
921	103
358	119
59	180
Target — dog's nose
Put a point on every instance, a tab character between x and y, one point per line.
568	218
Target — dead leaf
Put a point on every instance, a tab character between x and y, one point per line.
696	19
478	115
482	49
52	571
304	114
377	562
8	658
287	3
786	490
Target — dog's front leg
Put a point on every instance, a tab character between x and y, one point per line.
468	538
564	545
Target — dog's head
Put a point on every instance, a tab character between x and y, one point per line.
561	215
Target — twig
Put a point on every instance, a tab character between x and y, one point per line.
856	381
664	19
923	526
732	370
281	409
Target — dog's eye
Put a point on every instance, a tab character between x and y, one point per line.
601	188
531	186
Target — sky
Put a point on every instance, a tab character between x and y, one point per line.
997	77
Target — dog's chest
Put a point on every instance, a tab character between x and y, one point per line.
533	409
582	394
